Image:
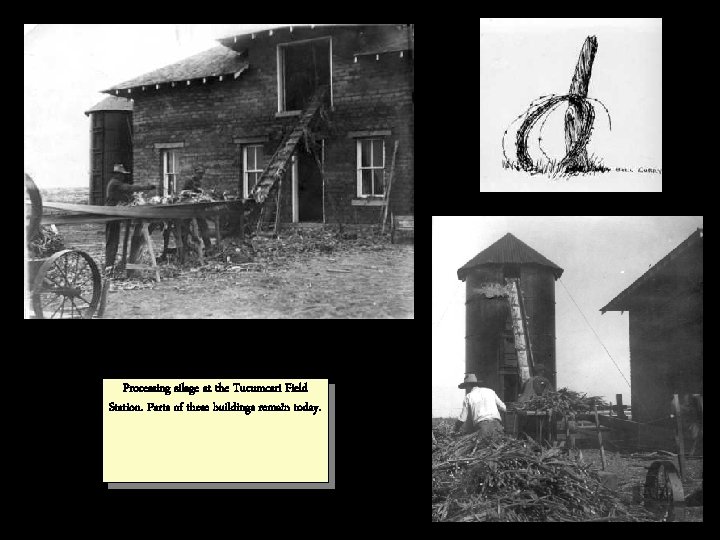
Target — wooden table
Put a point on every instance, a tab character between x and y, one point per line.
143	216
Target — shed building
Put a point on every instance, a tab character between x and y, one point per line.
665	307
110	142
489	342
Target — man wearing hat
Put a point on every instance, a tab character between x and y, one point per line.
119	192
537	385
194	184
480	408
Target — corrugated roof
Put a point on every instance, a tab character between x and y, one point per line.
508	250
112	103
211	63
621	301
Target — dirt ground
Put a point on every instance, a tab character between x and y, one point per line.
345	280
632	470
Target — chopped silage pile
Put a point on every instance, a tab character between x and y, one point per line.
507	479
563	402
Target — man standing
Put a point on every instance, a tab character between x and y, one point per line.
194	184
119	192
480	408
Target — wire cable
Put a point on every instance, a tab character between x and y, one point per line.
594	332
452	297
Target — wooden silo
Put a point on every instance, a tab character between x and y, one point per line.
489	343
110	142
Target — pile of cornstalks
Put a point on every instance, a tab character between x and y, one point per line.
564	402
185	196
47	241
506	479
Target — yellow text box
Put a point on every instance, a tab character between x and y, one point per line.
159	445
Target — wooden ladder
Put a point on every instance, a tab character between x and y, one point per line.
269	220
279	161
519	323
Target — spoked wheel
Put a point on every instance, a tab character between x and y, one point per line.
664	491
67	286
33	218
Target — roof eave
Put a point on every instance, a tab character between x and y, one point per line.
127	90
623	301
465	270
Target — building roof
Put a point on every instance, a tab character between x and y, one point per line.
385	41
111	103
211	63
622	301
380	38
508	250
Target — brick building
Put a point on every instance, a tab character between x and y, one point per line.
229	109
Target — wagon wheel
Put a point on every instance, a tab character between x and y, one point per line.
664	490
67	285
33	220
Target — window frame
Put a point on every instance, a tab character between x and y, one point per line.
169	157
259	166
281	69
360	168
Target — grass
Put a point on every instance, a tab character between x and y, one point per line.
552	167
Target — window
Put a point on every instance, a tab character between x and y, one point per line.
302	67
169	166
252	167
370	167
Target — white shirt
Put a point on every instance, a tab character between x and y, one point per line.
481	404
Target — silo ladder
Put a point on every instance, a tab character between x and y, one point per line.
519	323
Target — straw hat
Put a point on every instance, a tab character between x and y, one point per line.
470	380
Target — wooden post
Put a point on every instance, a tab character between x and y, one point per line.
539	420
680	437
194	228
217	231
602	450
123	262
384	213
146	234
567	432
577	116
179	241
621	410
242	222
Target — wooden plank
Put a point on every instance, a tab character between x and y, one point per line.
196	236
679	435
149	241
217	231
599	434
389	186
164	211
359	134
123	262
76	219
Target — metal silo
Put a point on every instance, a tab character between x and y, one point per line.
110	142
489	343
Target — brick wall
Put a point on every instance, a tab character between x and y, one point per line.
368	95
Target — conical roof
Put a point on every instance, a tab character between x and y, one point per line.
508	250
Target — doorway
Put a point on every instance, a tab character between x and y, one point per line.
309	188
303	67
